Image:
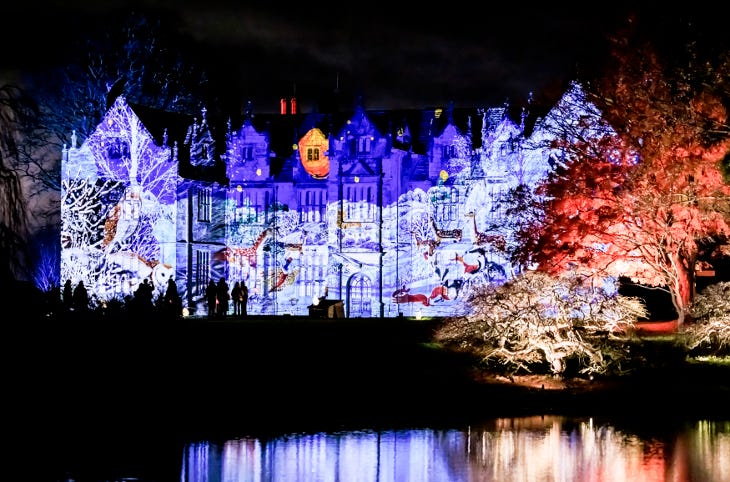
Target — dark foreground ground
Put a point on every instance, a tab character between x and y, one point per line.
74	383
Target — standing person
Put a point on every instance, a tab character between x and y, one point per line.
68	296
223	297
173	304
237	297
211	296
244	299
81	297
143	297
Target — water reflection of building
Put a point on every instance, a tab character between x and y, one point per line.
508	449
391	211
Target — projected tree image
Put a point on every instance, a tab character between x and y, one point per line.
118	209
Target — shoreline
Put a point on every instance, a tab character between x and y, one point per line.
289	375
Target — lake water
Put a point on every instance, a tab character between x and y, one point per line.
227	406
549	448
537	448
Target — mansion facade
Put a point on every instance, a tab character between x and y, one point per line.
393	213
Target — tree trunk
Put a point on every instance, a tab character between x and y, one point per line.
683	291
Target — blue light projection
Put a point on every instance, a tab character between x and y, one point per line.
356	215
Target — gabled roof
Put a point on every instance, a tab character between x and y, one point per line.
285	130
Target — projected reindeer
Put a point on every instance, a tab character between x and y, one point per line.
442	234
484	239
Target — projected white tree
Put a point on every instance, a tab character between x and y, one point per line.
118	207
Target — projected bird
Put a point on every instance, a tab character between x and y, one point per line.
286	275
123	220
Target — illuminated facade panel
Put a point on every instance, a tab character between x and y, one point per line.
390	215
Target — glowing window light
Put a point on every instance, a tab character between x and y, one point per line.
443	175
258	171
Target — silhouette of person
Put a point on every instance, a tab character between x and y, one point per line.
68	295
211	296
172	301
223	297
237	297
80	297
244	299
143	296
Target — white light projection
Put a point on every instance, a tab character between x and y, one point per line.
439	232
118	209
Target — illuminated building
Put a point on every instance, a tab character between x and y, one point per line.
392	212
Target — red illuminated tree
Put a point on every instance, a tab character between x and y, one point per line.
639	189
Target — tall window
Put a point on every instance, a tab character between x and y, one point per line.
313	154
269	206
249	206
201	270
361	296
312	275
497	212
131	206
204	204
447	206
449	152
359	146
363	145
312	205
360	202
247	152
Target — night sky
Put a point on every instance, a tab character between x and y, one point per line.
393	55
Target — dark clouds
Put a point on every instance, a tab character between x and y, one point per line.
393	55
398	56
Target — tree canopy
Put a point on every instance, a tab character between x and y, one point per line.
16	112
645	198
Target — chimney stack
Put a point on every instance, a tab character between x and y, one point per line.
283	106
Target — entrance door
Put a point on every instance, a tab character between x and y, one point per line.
360	297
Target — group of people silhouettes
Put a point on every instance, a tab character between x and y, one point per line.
75	298
142	301
219	298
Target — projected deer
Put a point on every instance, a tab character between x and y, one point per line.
483	239
441	234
